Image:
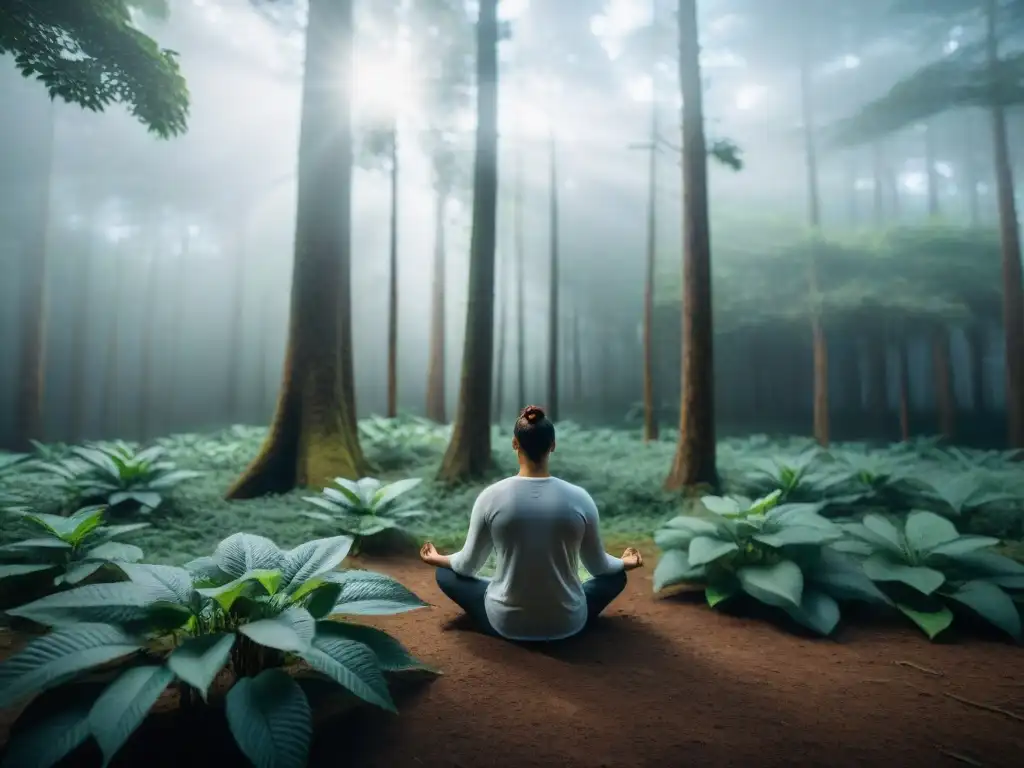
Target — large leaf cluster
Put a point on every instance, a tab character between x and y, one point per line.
90	53
366	507
248	610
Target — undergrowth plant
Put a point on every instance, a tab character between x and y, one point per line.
779	555
116	475
393	443
251	609
927	568
11	465
365	508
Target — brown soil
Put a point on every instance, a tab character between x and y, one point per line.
669	682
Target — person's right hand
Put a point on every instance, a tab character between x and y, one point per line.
632	558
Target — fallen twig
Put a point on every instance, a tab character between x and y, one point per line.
960	758
919	668
986	707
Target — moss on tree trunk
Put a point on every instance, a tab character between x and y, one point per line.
313	437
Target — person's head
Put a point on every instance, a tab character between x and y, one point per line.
533	436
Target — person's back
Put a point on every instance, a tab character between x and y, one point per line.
539	528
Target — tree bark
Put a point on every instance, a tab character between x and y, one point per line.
469	451
878	184
147	395
976	355
878	389
903	375
392	404
313	437
650	407
945	399
553	305
1013	291
110	414
172	386
694	463
436	367
236	334
520	235
499	374
81	338
934	208
30	386
577	362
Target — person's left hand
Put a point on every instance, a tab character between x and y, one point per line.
429	553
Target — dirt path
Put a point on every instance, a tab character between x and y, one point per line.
664	683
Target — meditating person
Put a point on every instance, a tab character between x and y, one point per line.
539	528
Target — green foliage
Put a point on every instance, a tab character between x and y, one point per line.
90	53
927	568
64	551
250	608
117	475
11	464
399	441
775	554
365	508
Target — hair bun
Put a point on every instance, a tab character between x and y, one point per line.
533	413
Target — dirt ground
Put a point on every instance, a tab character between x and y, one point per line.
668	683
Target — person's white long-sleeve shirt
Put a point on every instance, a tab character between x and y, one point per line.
539	529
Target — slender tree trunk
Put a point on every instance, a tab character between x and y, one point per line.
236	334
520	235
469	452
436	367
819	341
110	413
30	387
650	406
1013	291
499	374
392	405
878	405
878	185
694	463
173	409
903	375
852	193
313	437
81	340
976	339
971	169
577	363
945	399
553	306
931	173
147	394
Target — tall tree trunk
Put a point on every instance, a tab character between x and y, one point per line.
694	462
878	184
147	394
650	407
81	340
499	374
903	375
976	339
313	437
436	366
819	341
945	399
236	333
110	413
971	169
1013	292
469	452
392	405
30	387
878	396
520	235
577	362
931	173
174	413
553	306
852	193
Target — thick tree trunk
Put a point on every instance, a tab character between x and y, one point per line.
903	376
313	437
945	399
650	406
81	339
435	368
694	463
30	386
520	248
469	452
1013	291
976	356
553	304
392	404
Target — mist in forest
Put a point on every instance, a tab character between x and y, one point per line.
169	262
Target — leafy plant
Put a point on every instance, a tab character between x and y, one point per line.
250	608
776	554
926	567
11	465
801	478
961	495
393	443
364	508
875	480
64	551
116	475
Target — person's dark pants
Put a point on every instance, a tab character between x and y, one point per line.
468	592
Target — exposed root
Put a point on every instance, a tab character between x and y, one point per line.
987	707
919	668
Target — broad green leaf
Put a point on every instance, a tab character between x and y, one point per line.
145	499
46	743
114	551
704	550
200	659
253	582
672	538
924	580
314	558
79	572
291	631
243	553
885	531
715	594
17	547
371	594
163	582
962	546
843	578
674	568
59	656
721	505
61	527
109	532
392	491
353	665
116	603
925	531
270	718
123	706
796	535
992	604
84	522
695	526
817	611
170	479
780	585
11	570
391	654
932	623
765	503
321	600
